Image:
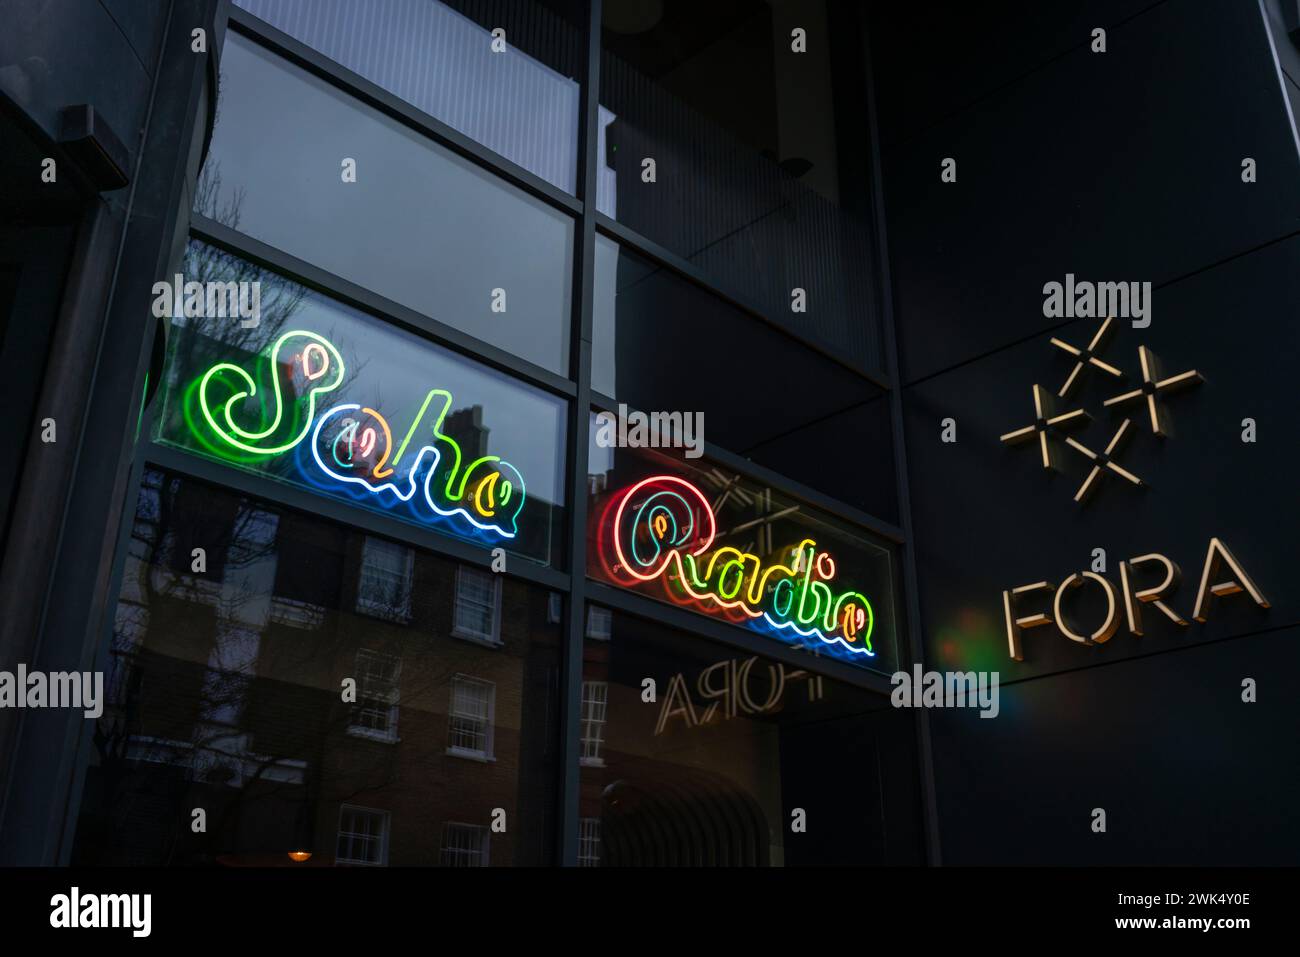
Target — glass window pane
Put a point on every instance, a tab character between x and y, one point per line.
711	772
420	225
662	343
211	697
723	545
385	583
521	102
328	399
760	153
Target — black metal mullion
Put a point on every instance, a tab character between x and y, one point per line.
364	520
908	549
576	459
359	297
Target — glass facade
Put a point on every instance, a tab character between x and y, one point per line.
388	596
323	397
732	750
726	144
660	341
519	99
314	689
707	539
314	172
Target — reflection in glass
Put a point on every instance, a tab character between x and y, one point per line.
713	542
713	771
386	571
254	690
326	398
760	153
439	58
662	342
419	225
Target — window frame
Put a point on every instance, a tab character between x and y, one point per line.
385	817
390	734
483	832
599	635
372	609
487	754
492	640
587	724
589	834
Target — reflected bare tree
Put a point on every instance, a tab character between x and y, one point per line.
158	562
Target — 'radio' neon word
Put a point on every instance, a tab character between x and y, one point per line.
350	443
663	528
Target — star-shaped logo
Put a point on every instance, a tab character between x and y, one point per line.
1049	424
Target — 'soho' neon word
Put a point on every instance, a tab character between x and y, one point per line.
664	528
350	443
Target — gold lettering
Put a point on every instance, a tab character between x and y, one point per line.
1218	555
1015	625
1132	608
1108	627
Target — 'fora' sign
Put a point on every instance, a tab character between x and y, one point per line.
1219	562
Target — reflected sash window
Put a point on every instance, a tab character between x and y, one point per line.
464	845
595	694
384	588
472	705
599	622
589	842
478	598
378	695
363	837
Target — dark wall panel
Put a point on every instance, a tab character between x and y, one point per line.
1117	166
988	516
972	49
1186	772
1122	165
55	55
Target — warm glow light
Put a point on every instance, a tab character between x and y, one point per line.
299	856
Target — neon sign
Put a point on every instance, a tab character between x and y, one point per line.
663	530
281	409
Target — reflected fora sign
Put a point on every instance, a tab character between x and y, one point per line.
728	688
1219	562
663	531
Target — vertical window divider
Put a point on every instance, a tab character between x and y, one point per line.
907	548
576	458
